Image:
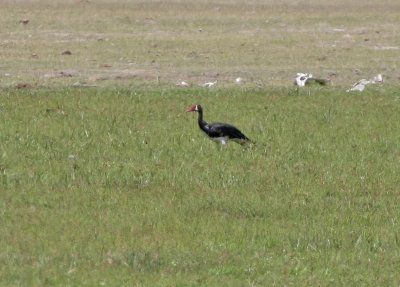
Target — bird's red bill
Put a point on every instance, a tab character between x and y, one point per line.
191	109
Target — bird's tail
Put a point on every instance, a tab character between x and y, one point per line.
247	142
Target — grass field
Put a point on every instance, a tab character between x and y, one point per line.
109	182
264	42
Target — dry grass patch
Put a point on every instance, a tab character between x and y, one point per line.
117	42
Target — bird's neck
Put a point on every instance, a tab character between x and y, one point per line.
201	121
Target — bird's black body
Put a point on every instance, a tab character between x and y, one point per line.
219	132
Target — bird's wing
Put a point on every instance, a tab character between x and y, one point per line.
220	129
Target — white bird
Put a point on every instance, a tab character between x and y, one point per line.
301	79
209	84
377	79
183	84
238	80
359	86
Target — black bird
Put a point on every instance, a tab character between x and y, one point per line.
219	132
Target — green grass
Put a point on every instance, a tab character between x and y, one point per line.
115	185
118	187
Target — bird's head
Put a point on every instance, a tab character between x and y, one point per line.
194	108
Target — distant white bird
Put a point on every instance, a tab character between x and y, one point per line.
209	84
183	84
377	79
238	80
360	85
301	79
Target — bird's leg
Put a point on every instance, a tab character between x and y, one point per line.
223	143
220	144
